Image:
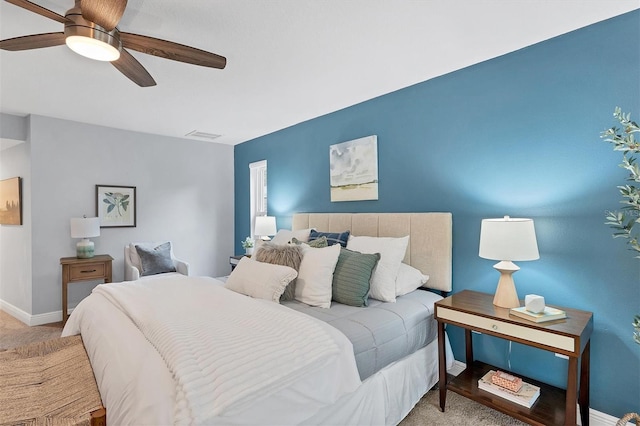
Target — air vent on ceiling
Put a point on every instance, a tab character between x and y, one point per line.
202	135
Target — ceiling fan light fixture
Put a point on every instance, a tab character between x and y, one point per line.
89	39
92	48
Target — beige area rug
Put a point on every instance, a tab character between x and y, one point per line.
459	411
14	333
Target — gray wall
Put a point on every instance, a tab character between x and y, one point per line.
15	241
184	194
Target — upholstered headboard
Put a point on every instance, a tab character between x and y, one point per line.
430	236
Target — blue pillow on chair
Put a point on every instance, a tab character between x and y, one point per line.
332	237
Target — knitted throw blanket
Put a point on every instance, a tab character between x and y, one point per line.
224	350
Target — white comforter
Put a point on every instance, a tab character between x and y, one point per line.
223	352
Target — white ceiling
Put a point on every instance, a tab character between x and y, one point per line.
287	60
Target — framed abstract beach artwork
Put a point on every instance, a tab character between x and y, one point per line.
116	206
11	201
354	169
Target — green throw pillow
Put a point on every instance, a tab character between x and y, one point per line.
318	243
351	277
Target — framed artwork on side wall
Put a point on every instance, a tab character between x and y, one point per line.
11	201
116	206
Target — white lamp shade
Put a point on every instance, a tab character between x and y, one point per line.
85	227
265	226
508	239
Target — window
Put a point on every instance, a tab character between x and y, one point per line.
258	191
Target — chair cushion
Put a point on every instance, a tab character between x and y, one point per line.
155	260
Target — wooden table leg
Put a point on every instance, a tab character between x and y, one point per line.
468	339
572	392
583	396
65	282
442	366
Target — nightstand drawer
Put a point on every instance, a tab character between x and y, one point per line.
476	322
87	271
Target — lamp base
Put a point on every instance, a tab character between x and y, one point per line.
506	295
85	249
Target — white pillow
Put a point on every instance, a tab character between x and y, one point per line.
260	280
315	275
284	236
392	251
409	279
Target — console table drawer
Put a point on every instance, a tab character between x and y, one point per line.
87	271
477	322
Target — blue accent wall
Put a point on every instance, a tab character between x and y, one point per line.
516	135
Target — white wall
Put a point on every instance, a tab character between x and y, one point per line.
184	194
15	241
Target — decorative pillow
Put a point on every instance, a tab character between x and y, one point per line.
155	260
351	277
286	255
332	237
409	279
284	236
392	251
260	280
313	286
319	243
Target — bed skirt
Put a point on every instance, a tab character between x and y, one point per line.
389	395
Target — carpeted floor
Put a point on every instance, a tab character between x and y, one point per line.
14	333
459	410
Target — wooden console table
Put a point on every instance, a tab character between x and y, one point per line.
76	270
475	311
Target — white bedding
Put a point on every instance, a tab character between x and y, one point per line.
178	359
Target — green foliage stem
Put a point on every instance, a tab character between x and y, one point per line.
624	140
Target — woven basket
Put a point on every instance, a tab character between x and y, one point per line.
627	417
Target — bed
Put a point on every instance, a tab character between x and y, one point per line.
341	365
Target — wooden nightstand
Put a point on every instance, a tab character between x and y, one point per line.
475	311
76	270
233	260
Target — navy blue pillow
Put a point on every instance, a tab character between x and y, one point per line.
332	237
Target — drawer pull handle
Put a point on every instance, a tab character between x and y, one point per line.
87	272
495	327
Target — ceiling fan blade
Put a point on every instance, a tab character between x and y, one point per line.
107	14
32	7
35	41
171	50
133	70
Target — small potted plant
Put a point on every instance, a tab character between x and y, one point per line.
247	245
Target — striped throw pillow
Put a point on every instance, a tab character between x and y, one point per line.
351	277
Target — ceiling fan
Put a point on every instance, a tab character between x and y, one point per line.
90	30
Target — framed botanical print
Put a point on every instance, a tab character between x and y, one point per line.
116	206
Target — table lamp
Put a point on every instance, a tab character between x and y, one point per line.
506	240
265	227
85	228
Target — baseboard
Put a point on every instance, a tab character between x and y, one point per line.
31	320
596	418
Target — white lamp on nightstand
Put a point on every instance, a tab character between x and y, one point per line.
265	227
507	239
85	228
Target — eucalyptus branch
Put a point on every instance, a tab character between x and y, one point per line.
623	222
